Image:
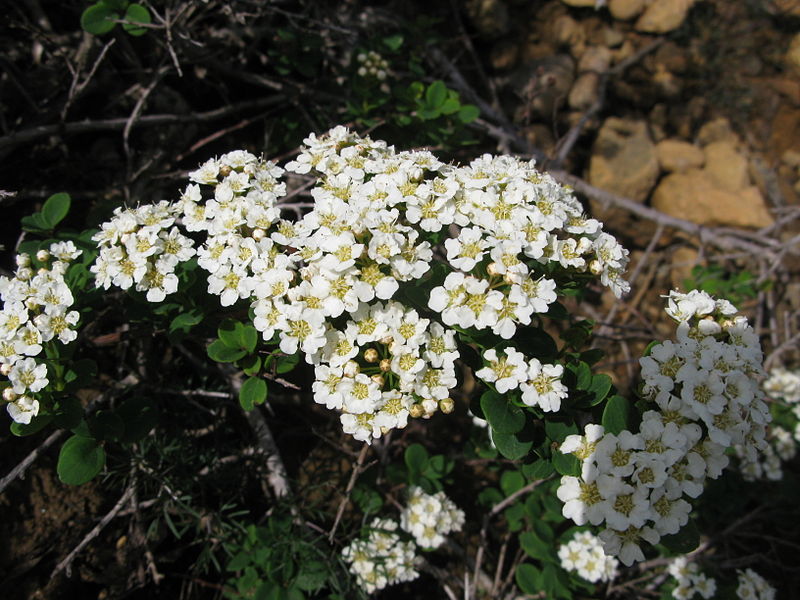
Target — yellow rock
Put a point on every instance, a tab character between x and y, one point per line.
679	156
663	16
726	166
625	9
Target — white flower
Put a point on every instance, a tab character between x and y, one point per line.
544	388
23	409
27	375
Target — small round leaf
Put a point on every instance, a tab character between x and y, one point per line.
80	460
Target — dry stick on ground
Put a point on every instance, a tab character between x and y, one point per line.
566	143
497	508
43	131
358	468
19	470
66	564
76	88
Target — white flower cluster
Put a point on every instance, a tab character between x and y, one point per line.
429	518
540	384
36	310
584	555
707	399
691	581
382	558
783	384
782	447
753	587
372	64
326	282
141	246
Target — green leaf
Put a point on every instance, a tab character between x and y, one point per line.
287	362
436	94
239	561
229	332
251	365
616	415
537	548
393	42
107	425
450	105
416	458
219	352
68	412
98	19
139	416
566	464
468	113
80	460
185	321
683	542
37	423
510	446
253	392
503	416
528	578
55	209
557	431
554	580
540	469
34	223
136	13
600	386
511	481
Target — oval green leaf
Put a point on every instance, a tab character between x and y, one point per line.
80	460
528	578
56	208
98	19
253	392
503	416
510	446
616	415
136	13
219	352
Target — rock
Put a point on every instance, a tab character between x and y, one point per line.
489	17
784	8
672	57
612	37
665	82
663	16
624	159
695	196
677	156
504	55
791	158
715	131
682	261
580	3
584	91
595	58
625	9
792	58
567	32
543	85
726	166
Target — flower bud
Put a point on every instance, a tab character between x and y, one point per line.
416	411
351	369
31	304
24	273
9	395
491	269
430	405
23	260
5	369
371	355
378	379
42	256
595	267
386	365
258	234
447	405
224	170
386	339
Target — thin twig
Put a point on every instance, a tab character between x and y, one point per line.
358	468
19	470
66	564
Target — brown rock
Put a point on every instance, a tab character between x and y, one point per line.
490	17
683	260
663	16
624	159
612	37
543	85
568	32
677	156
791	158
716	131
625	9
580	3
792	58
595	58
584	91
726	166
789	8
695	196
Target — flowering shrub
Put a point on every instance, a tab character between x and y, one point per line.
403	277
